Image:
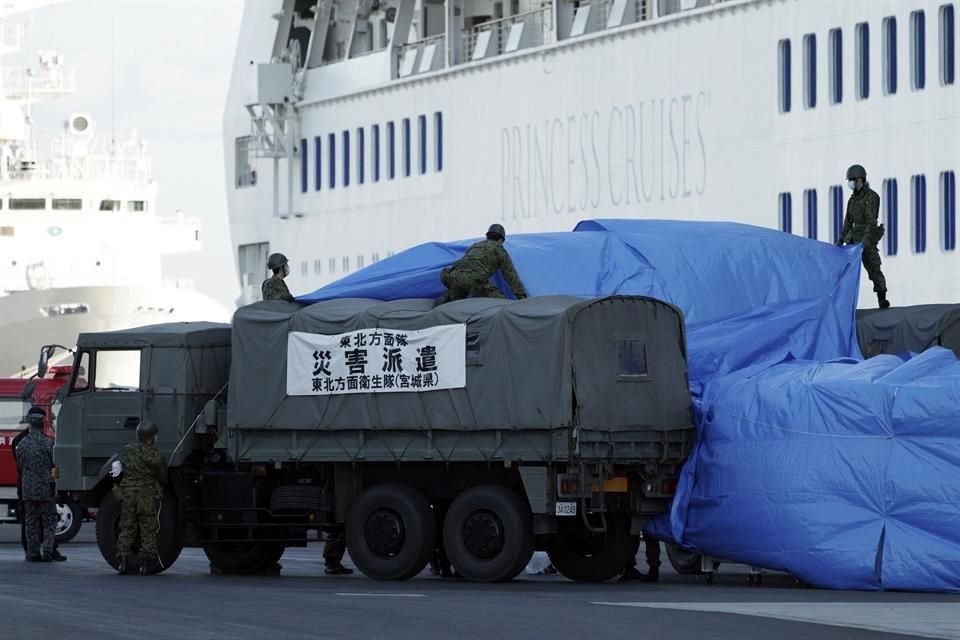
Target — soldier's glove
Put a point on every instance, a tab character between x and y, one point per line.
116	468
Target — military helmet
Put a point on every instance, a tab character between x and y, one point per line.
856	171
146	430
497	231
276	260
35	416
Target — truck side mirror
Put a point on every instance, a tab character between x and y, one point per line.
44	359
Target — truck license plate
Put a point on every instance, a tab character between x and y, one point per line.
566	508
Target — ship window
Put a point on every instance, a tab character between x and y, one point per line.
786	213
332	265
331	160
70	204
346	264
361	260
836	66
303	165
117	370
438	140
303	268
889	55
346	158
406	147
836	206
391	151
947	60
810	71
918	59
862	34
132	205
783	55
891	202
360	155
810	212
918	189
422	139
34	204
375	258
316	266
375	143
105	205
317	168
948	210
246	176
390	254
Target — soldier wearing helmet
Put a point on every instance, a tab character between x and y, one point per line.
144	476
860	225
471	274
274	288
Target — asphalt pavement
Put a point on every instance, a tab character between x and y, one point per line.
83	598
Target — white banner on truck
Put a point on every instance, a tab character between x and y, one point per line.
377	361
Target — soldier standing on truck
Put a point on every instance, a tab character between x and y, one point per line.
274	288
470	275
144	476
35	461
860	225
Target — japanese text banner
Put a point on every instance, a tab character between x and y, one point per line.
377	361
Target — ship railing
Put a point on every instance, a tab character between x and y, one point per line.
19	84
135	169
512	33
426	54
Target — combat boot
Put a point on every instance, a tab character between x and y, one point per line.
336	569
882	299
653	575
56	556
122	566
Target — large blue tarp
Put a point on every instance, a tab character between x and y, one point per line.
842	471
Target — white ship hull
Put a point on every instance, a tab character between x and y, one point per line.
673	118
24	327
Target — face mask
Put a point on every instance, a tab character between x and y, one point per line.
286	270
852	184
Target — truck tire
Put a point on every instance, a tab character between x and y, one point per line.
488	534
391	532
243	558
169	542
296	498
683	562
69	520
585	556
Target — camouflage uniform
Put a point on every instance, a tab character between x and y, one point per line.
471	274
35	462
274	288
860	225
144	474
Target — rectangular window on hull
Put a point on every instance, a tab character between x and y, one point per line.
406	147
836	66
36	204
331	160
918	56
346	158
891	203
889	56
947	51
303	165
391	151
837	212
375	151
438	140
346	264
786	213
361	156
246	176
783	57
810	212
810	71
948	210
918	189
73	204
317	170
422	139
862	34
332	265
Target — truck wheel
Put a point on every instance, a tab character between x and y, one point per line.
586	556
683	562
391	533
169	543
245	558
488	534
69	519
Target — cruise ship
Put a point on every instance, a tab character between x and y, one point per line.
358	128
81	239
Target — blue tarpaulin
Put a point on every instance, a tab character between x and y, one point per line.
842	471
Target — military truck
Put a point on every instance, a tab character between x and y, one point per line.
485	428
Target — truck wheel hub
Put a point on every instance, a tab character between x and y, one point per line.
384	532
483	534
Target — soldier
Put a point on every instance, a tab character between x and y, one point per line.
333	550
860	225
144	475
471	274
274	288
35	462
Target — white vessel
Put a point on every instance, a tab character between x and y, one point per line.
80	236
357	128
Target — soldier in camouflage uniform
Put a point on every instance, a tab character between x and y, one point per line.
860	225
274	288
144	476
35	463
471	274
